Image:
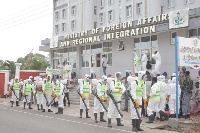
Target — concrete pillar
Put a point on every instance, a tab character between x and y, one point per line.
17	70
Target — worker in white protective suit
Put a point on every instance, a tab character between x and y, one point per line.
163	94
117	88
100	89
172	97
154	100
68	69
47	92
156	56
137	62
59	95
85	91
15	87
144	60
138	92
39	87
27	90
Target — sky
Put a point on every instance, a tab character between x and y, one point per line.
23	24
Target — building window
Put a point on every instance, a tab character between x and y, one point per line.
189	1
173	35
193	33
85	51
110	15
95	10
63	27
73	10
129	11
72	56
171	3
101	3
56	29
107	50
63	13
139	8
95	25
101	18
57	15
110	2
148	44
73	24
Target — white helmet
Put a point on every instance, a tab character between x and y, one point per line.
173	74
87	77
110	79
104	77
30	77
173	80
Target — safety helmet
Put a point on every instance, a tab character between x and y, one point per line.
161	78
173	74
104	77
30	77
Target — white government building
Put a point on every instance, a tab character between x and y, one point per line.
83	30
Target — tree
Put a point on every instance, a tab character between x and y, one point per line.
35	62
8	65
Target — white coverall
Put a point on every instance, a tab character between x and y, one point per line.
112	109
97	104
48	96
144	60
136	65
86	97
16	93
139	99
153	105
28	96
39	94
60	101
172	96
157	57
163	95
68	69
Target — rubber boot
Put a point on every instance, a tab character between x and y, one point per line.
87	116
163	114
49	110
58	111
138	122
119	122
30	106
12	103
64	101
17	103
150	119
41	106
24	104
109	123
43	110
38	106
81	112
134	128
101	117
61	111
154	116
95	116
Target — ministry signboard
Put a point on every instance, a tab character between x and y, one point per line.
189	52
179	18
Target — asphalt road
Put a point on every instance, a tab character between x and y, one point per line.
19	120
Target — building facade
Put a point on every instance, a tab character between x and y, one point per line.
84	30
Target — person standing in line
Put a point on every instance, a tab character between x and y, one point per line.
104	64
15	86
27	89
187	94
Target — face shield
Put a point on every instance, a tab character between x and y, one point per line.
104	79
16	80
141	74
118	76
87	77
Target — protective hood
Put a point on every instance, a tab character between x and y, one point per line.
118	76
130	79
140	74
161	78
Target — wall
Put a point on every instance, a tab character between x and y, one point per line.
24	74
